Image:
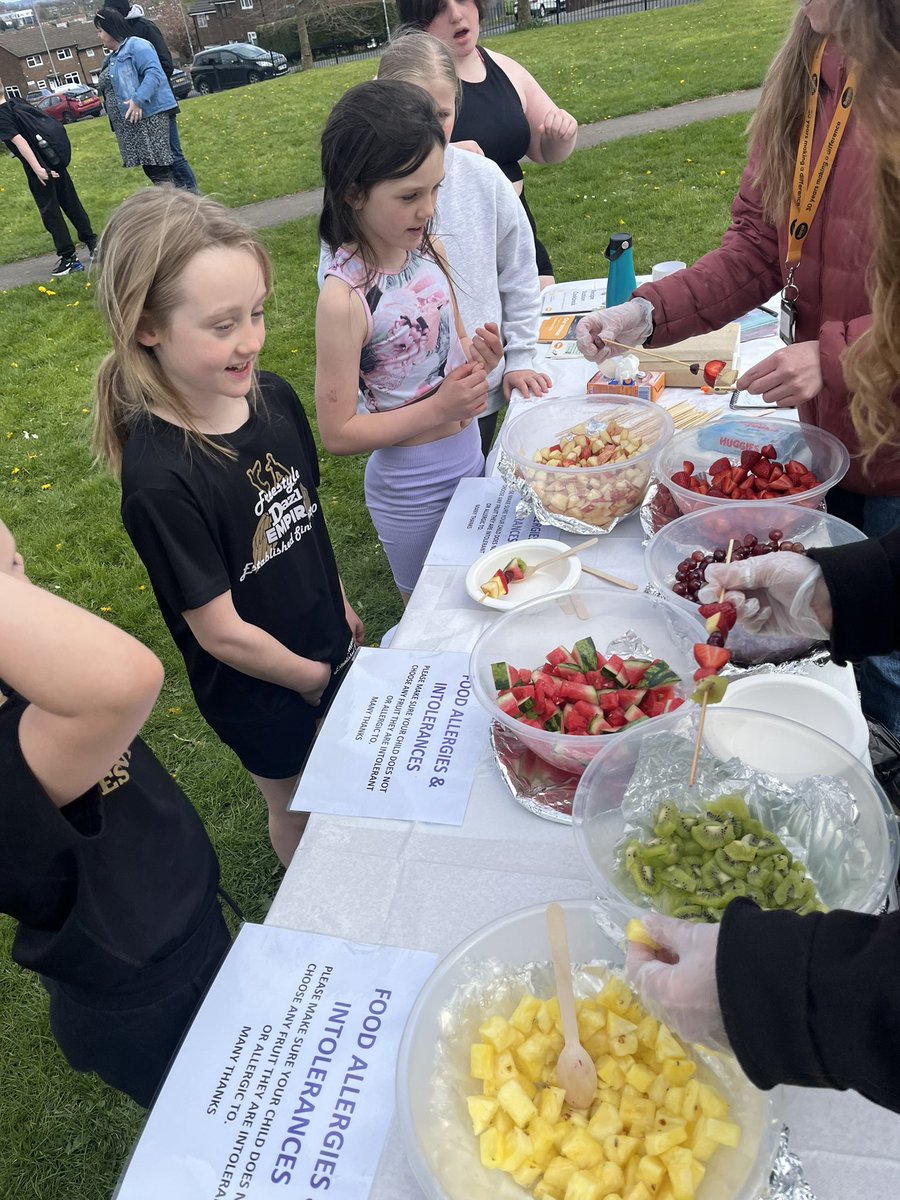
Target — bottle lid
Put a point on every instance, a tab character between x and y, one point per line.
618	244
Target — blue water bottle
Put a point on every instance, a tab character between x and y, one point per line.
621	282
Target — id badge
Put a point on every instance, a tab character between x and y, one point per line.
787	321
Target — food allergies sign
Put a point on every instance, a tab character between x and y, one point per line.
481	515
401	740
284	1084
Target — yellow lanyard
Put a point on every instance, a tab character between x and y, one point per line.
806	194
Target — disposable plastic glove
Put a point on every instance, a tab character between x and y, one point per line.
677	983
630	323
780	593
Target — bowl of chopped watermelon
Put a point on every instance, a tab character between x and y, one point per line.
677	556
565	672
584	463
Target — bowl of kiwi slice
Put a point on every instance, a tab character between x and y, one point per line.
750	826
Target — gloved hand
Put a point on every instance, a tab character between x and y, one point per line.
677	983
780	593
630	323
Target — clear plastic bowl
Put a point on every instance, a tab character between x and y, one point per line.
433	1064
782	749
585	499
821	452
525	636
710	528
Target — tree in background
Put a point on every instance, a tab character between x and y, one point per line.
171	19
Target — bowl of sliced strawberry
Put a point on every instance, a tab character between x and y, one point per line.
746	459
564	672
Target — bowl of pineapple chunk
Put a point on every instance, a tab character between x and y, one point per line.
584	462
482	1116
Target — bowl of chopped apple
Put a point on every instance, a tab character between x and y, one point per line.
479	1106
584	463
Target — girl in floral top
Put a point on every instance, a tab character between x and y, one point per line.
395	372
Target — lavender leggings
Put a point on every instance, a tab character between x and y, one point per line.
408	489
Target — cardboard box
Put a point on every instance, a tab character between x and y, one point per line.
648	388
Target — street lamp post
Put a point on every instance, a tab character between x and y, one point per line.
387	24
37	16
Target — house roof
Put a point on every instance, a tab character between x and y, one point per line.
22	43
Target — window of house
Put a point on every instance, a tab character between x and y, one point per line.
63	54
202	21
54	81
41	83
251	38
34	60
13	93
89	53
105	52
95	78
72	77
246	3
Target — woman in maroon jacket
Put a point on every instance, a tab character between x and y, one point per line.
814	1000
824	273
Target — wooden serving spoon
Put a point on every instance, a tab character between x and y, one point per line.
575	1070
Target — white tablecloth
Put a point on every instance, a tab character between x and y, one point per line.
427	887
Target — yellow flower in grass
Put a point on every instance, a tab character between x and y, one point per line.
45	487
106	608
15	471
174	712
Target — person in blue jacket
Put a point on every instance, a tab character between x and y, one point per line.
138	98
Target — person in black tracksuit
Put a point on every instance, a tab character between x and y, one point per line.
104	864
53	191
812	1001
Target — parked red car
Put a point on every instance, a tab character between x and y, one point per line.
75	103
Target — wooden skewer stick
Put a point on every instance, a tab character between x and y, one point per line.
705	701
548	562
625	583
642	351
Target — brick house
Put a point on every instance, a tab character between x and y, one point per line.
75	57
221	21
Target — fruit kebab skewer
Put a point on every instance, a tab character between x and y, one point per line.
711	657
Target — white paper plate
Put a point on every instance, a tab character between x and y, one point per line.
561	577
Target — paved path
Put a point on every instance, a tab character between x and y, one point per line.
267	213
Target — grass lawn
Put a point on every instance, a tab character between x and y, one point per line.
254	143
65	1137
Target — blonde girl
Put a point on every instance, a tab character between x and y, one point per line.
387	327
219	474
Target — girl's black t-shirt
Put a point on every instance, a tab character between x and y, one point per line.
204	524
109	884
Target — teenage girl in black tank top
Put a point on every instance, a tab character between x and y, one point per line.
491	114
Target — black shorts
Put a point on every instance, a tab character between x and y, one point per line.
541	257
274	743
128	1037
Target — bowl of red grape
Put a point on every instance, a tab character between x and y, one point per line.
676	559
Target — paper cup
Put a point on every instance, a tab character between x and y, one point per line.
661	270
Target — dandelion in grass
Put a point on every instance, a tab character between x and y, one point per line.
45	487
